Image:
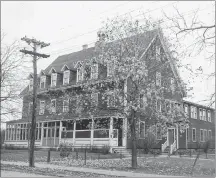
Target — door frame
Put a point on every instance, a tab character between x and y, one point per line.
172	128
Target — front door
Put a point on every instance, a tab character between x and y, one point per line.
118	124
170	136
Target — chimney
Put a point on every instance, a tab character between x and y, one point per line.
85	46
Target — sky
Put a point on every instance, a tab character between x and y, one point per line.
67	25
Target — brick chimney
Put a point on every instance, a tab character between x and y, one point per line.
85	46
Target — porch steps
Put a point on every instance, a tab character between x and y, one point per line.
122	151
167	150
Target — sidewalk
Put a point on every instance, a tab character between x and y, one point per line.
89	170
18	174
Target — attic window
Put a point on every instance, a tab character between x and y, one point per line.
94	71
42	81
66	77
79	73
158	53
31	84
53	79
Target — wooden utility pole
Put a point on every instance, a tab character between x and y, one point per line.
35	55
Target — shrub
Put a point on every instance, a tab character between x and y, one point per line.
105	149
65	149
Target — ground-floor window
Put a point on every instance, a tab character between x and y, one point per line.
209	134
158	132
187	134
194	134
201	135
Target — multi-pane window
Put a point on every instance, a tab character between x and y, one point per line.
209	134
158	105
158	79
42	107
193	112
209	115
111	100
31	84
158	132
143	101
79	73
53	105
200	114
110	68
172	84
94	99
201	135
53	79
42	81
142	129
66	77
158	52
94	71
65	105
204	114
205	134
194	134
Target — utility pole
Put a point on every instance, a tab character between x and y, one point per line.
35	55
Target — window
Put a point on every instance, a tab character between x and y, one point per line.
193	112
79	73
143	101
168	109
42	107
172	84
158	79
158	53
94	99
200	114
94	71
42	81
30	107
186	109
194	134
158	132
209	134
142	129
111	100
209	116
65	105
159	105
31	84
53	79
110	68
205	135
201	135
53	105
66	77
204	114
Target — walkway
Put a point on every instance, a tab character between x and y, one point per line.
18	174
89	170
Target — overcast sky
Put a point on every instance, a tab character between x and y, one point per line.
68	25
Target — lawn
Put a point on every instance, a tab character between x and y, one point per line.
41	156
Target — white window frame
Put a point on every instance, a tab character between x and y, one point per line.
209	115
43	80
201	131
158	79
158	52
200	114
157	134
92	99
42	107
144	129
160	107
53	82
79	73
53	109
186	109
110	68
195	112
172	84
194	139
114	99
31	83
94	74
66	77
204	114
209	135
64	107
205	134
192	111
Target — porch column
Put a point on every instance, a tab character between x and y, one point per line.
167	136
92	132
11	132
47	132
42	133
111	131
177	139
6	132
74	132
186	139
124	132
54	134
60	132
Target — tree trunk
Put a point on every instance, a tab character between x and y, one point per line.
133	137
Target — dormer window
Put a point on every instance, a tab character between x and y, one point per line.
31	84
110	68
42	81
53	79
79	73
172	84
158	53
66	77
94	71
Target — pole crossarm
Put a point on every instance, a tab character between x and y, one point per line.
34	53
34	41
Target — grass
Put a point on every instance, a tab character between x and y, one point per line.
41	156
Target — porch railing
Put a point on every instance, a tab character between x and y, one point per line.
173	147
163	146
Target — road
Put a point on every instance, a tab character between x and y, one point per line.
18	174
